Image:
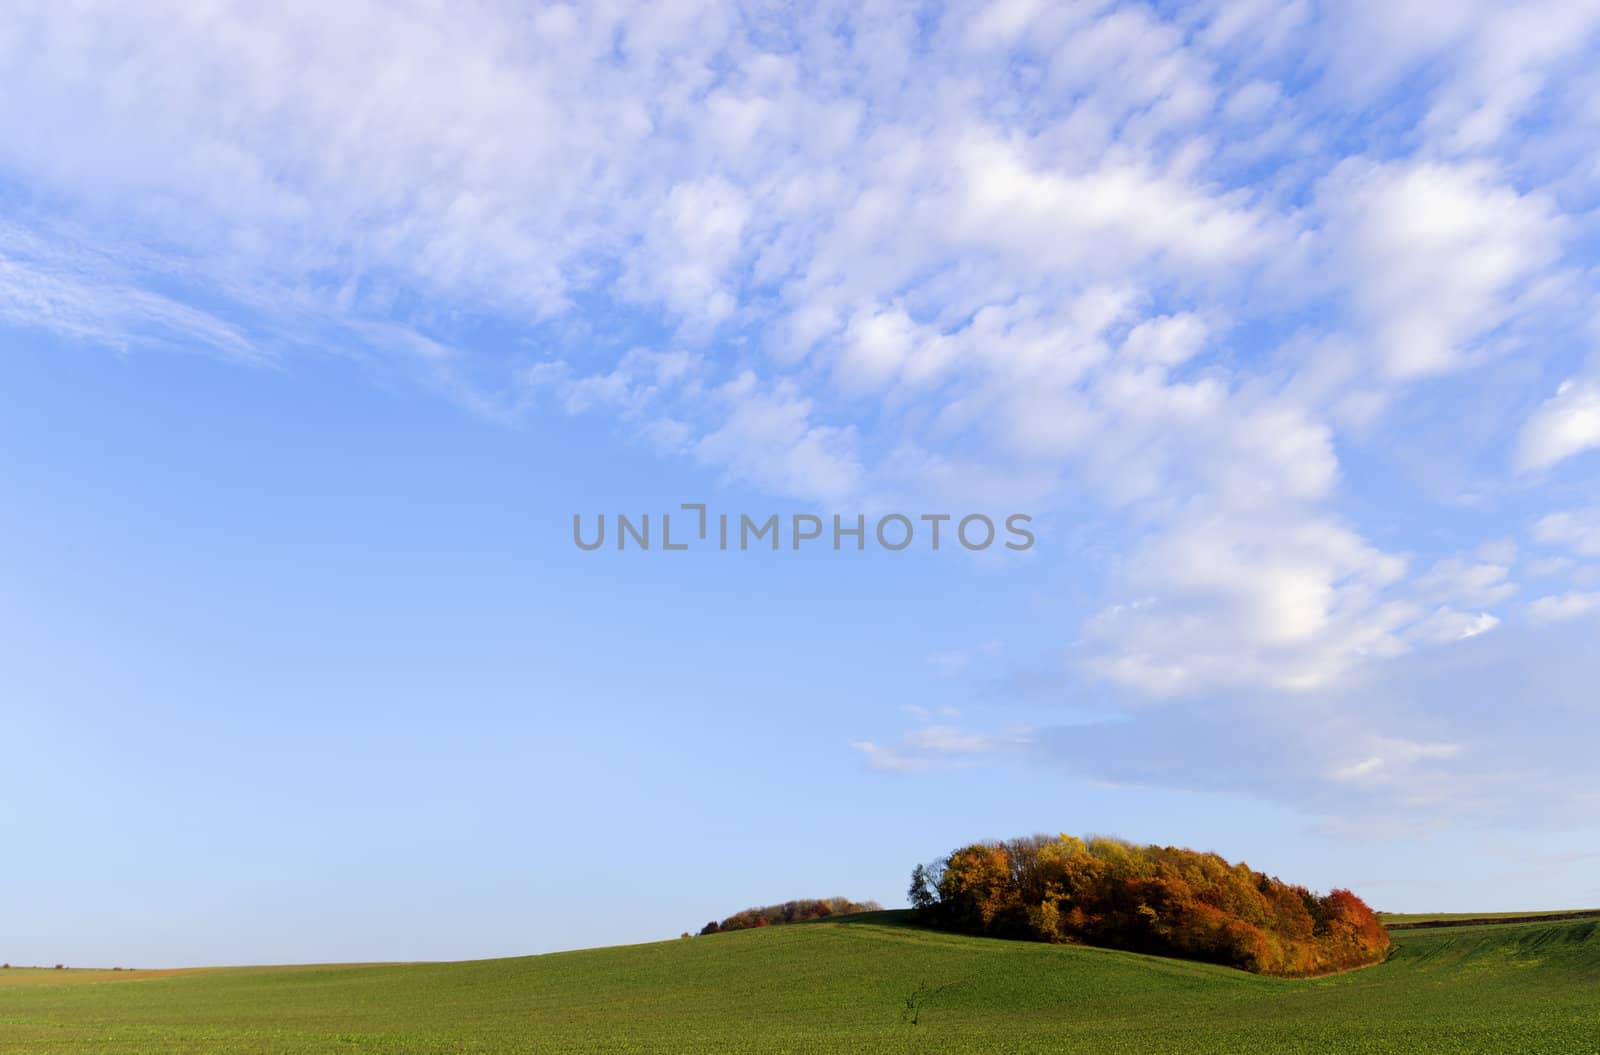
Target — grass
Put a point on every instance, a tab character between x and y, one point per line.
839	986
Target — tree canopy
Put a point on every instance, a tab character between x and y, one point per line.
790	912
1152	899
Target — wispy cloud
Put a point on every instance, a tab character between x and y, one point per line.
1561	607
935	746
1577	530
82	296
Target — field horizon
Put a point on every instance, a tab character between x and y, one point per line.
870	982
1390	920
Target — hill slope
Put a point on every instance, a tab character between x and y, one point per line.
841	986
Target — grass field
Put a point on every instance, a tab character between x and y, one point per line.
850	986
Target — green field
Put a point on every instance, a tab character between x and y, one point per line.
841	986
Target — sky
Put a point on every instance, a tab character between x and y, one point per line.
322	322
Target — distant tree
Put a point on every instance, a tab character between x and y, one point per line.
924	893
790	912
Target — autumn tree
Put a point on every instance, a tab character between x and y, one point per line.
1162	900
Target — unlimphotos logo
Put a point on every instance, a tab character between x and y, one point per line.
894	532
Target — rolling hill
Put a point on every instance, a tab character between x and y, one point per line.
870	983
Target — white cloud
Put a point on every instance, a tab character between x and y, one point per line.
1460	582
634	389
1561	607
1550	566
941	745
1500	551
768	438
1509	57
688	249
1566	424
926	714
1294	603
1447	624
1438	256
1391	759
1491	60
1577	530
883	345
1111	215
1223	601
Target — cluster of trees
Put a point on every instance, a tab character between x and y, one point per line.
1151	899
790	912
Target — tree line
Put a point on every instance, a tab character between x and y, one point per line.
1151	899
790	912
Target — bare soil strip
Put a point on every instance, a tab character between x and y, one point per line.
1483	921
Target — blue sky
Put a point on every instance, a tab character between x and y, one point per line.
321	324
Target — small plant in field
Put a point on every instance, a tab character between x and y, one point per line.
918	996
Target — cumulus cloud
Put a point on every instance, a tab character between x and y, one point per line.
1217	600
